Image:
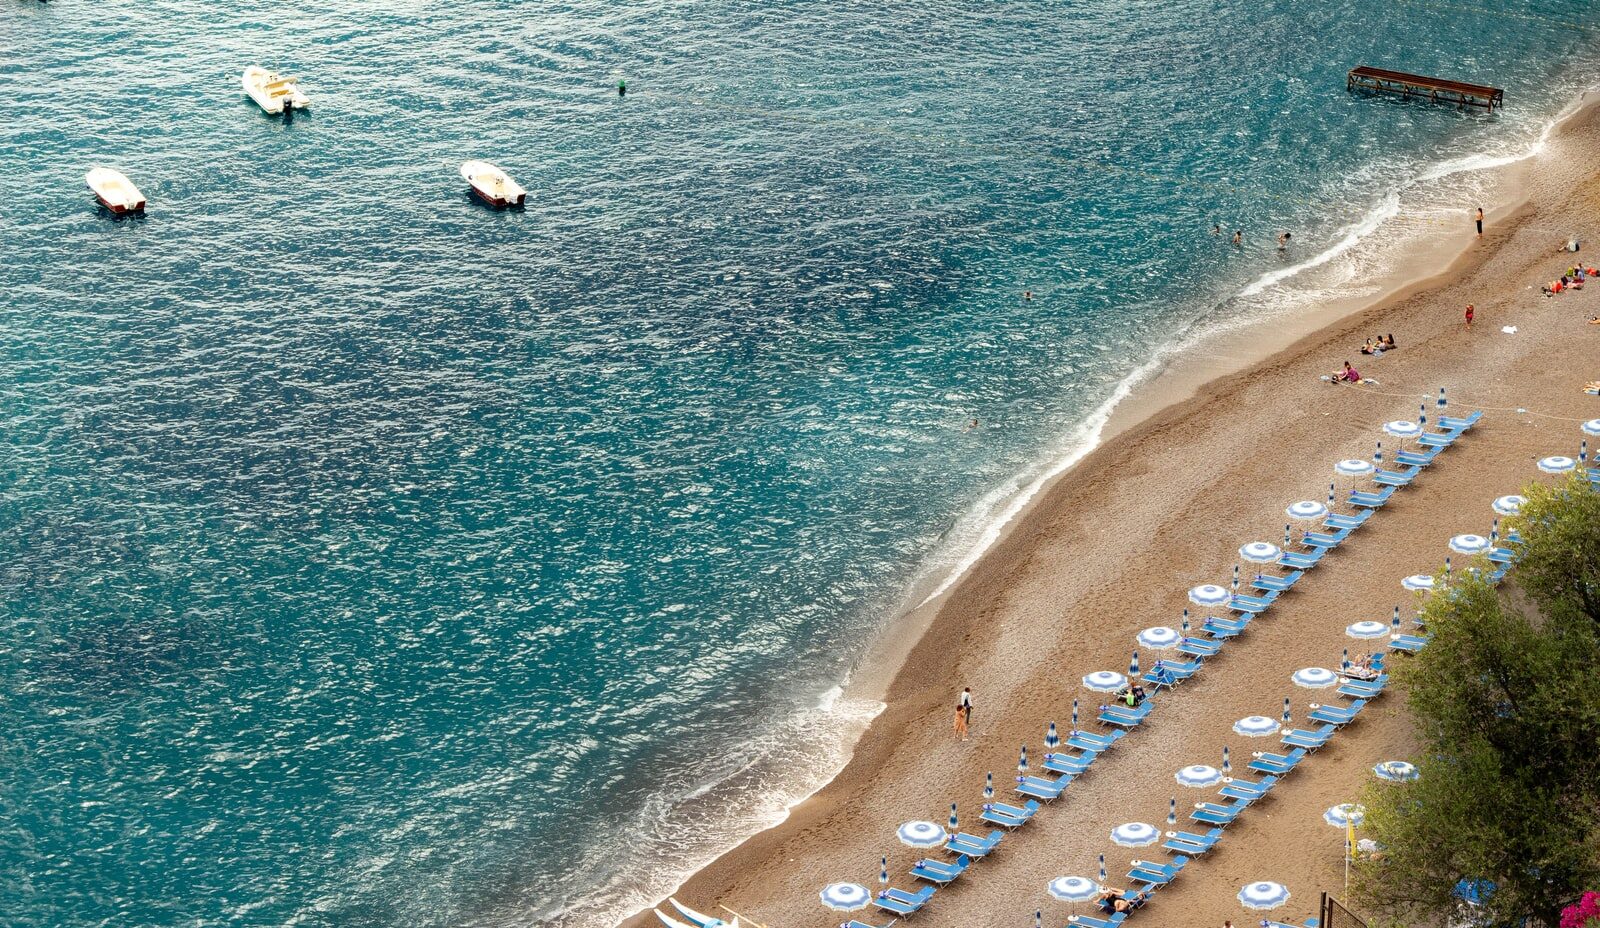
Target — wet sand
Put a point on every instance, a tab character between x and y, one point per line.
1203	460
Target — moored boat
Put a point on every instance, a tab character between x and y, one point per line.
493	185
114	191
272	91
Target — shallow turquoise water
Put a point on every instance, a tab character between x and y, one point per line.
368	557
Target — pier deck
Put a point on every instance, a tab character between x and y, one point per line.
1432	89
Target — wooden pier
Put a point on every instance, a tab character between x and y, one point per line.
1432	89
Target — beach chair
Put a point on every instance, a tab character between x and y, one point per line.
1270	584
852	923
1363	689
1280	765
902	903
1198	647
940	873
1326	539
1226	628
1417	458
1410	644
1244	789
1390	478
972	845
1501	556
1191	845
1337	715
1042	788
1089	741
1440	440
1068	765
1175	672
1499	573
1346	523
1308	740
1243	602
1125	716
1302	560
1221	816
1168	870
1371	500
1089	921
1460	424
1008	816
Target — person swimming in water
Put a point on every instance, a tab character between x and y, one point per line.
1238	236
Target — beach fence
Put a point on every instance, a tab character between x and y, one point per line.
1334	915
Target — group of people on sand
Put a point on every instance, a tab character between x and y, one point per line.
1572	280
1377	347
1367	667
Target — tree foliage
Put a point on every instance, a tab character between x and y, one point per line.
1506	698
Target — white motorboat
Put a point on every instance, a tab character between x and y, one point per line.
272	91
493	185
114	191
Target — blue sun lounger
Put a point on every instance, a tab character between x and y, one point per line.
1042	788
1346	523
1008	816
1089	741
1280	765
1156	873
1363	689
852	923
1192	845
1176	671
901	902
1198	647
1335	715
1125	716
1439	440
1460	424
972	845
1244	602
1209	813
1389	478
939	872
1072	765
1417	458
1302	560
1089	921
1227	628
1244	789
1309	740
1271	584
1327	539
1371	500
1502	556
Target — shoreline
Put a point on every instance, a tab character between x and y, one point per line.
1178	379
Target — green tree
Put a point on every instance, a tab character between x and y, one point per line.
1506	699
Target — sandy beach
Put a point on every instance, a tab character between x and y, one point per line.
1203	460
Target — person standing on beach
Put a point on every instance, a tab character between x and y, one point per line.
960	723
1469	315
965	705
1480	222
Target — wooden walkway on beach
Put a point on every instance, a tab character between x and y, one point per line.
1432	89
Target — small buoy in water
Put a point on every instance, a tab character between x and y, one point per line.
622	88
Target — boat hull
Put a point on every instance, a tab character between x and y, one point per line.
498	201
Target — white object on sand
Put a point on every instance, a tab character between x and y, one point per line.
271	90
1509	329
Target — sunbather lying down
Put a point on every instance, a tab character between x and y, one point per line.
1112	901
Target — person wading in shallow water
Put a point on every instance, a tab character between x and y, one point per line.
1480	222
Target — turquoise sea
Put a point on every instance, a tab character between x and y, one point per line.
369	557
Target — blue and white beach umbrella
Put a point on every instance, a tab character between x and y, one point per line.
1469	544
1172	811
846	897
1345	813
1285	710
1344	660
1260	552
921	834
1377	456
1198	775
1135	834
955	823
1441	402
1105	681
1394	622
1022	760
1159	638
1395	771
1313	678
1133	665
1330	496
1419	582
1102	868
1038	918
1307	510
1288	539
1557	464
1209	594
1185	621
1510	504
1256	726
1051	738
988	785
1366	630
1402	428
1353	467
1592	427
1074	713
1236	578
1583	451
1447	567
883	871
1073	888
1227	762
1264	895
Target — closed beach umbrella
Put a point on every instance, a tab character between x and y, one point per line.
1074	714
1377	456
1469	544
1353	467
1366	630
1186	621
1236	578
1494	531
1313	678
1402	428
1264	895
1038	918
1105	681
1592	427
1510	504
883	872
1557	464
1172	811
1418	582
1255	726
1209	594
1135	834
1395	771
1307	510
1344	660
1073	889
1022	761
1198	775
988	785
1583	450
1051	739
955	823
1159	638
1133	665
1227	763
1102	868
846	897
921	834
1394	623
1260	552
1345	813
1330	496
1441	403
1447	567
1288	540
1285	710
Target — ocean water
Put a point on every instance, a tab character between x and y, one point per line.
369	557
